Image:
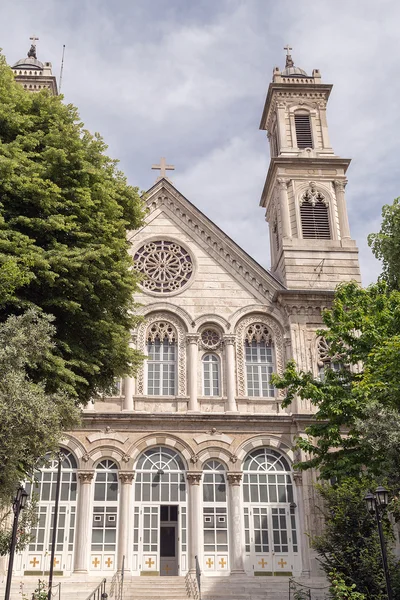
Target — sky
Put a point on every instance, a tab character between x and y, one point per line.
187	79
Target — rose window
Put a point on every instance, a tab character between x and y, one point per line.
210	339
166	265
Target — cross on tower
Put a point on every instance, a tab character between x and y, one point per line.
34	39
163	167
289	61
32	49
288	49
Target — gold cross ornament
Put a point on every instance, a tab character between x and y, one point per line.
34	562
149	562
109	562
55	562
282	563
95	562
222	563
166	568
262	562
209	563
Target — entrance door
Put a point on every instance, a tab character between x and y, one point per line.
269	543
169	541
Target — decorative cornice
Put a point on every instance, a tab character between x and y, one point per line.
194	478
229	339
85	476
126	476
234	479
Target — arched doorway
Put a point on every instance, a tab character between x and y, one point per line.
271	545
160	513
36	559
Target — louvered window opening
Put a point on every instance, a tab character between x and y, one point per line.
303	131
315	221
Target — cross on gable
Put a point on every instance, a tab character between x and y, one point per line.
163	168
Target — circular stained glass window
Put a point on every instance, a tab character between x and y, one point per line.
166	265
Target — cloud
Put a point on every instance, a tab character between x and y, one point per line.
188	81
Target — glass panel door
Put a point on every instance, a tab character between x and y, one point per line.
150	539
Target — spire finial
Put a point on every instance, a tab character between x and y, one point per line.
163	168
32	49
289	60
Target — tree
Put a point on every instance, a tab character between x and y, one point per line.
349	549
65	211
363	334
386	244
32	420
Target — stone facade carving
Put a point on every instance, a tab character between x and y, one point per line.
166	265
234	478
85	476
194	478
142	343
210	339
126	476
313	196
242	331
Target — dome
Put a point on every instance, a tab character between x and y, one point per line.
294	72
28	63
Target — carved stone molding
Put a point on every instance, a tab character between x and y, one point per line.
86	457
234	478
192	338
297	477
126	476
85	476
142	343
229	339
277	340
233	458
340	184
126	458
194	478
283	183
313	195
194	459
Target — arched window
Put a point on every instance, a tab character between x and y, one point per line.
215	518
269	509
105	509
44	488
161	364
211	375
302	124
259	361
314	214
160	476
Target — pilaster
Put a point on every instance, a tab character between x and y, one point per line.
83	529
126	478
229	344
195	517
192	341
235	522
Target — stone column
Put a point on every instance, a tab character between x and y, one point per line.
192	341
83	528
129	383
195	517
126	478
229	342
302	539
235	523
342	210
284	207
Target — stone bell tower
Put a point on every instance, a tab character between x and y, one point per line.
34	75
304	192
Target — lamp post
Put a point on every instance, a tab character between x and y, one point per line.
18	505
376	504
60	457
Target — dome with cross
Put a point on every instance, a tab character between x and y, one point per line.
290	70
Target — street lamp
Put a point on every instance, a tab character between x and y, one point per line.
18	505
376	503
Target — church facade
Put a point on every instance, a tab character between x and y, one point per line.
194	457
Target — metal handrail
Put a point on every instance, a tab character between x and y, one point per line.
99	593
305	588
198	575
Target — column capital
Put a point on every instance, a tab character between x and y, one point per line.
283	183
194	478
229	339
126	476
234	478
340	184
85	476
297	477
192	338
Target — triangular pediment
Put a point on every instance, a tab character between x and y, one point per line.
164	197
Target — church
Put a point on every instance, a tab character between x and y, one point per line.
192	460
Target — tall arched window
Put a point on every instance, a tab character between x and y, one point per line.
44	488
211	375
269	512
161	364
314	214
105	509
259	361
215	518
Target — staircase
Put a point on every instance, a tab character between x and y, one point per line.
243	587
155	588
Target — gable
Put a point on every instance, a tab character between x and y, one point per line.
224	265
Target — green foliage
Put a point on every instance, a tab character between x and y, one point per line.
363	332
349	549
32	420
340	591
65	211
27	521
386	244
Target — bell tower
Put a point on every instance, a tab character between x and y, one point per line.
34	75
304	192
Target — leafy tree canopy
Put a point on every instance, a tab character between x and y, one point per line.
32	420
363	333
65	210
386	244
